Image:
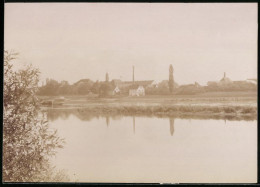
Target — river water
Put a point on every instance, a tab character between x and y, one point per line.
156	150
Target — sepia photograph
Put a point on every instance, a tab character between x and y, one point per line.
130	93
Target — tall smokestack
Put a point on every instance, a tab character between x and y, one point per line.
133	74
224	74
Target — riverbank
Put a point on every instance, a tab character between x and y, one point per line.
238	112
214	105
174	111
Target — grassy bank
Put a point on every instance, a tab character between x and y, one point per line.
213	105
224	98
175	111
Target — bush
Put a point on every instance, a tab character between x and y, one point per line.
27	140
249	110
229	110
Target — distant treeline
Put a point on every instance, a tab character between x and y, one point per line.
105	88
82	87
228	87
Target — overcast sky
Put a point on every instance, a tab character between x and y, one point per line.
72	41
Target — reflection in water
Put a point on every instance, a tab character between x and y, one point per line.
64	114
134	124
211	150
107	120
171	126
170	119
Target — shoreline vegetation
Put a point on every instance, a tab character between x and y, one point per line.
171	111
28	141
229	105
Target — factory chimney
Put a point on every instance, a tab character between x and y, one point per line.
133	74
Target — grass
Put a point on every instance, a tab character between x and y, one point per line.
248	110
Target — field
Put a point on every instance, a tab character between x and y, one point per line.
235	105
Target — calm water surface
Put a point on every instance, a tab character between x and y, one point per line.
146	149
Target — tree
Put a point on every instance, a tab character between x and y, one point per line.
51	88
95	87
64	88
28	141
171	81
82	87
104	89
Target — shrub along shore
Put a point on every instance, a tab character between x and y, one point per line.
179	111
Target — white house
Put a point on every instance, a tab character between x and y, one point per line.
140	91
154	84
116	90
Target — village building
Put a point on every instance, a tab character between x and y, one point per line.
116	91
83	81
116	82
190	89
137	90
197	85
123	87
154	84
124	84
225	80
253	81
132	88
165	84
212	83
